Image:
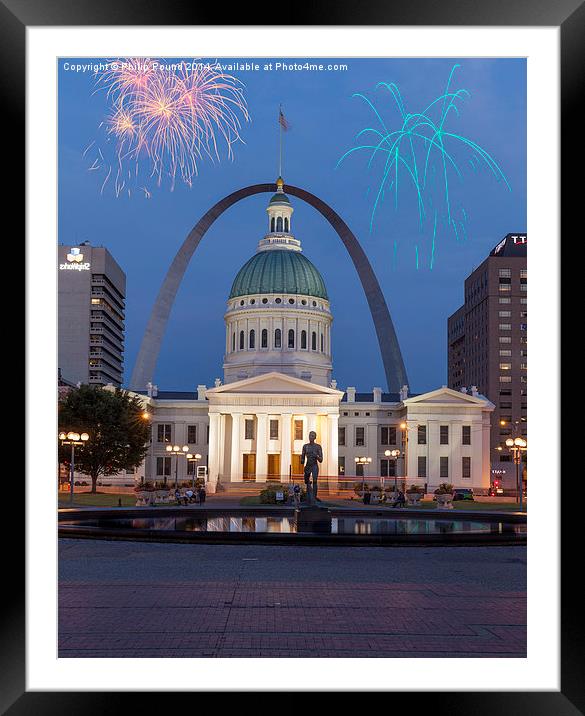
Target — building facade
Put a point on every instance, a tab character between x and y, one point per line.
91	308
487	345
277	387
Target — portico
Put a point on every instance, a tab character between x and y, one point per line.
257	427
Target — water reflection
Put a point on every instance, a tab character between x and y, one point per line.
281	524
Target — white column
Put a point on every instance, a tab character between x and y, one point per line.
213	459
261	446
236	457
285	443
221	447
333	456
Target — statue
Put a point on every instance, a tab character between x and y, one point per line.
311	456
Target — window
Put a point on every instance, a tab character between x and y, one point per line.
422	434
466	434
274	429
322	349
523	366
505	458
360	436
466	467
164	433
422	466
506	353
359	469
233	341
505	314
192	434
505	339
277	338
279	223
505	273
444	435
286	224
252	339
191	467
505	326
505	366
291	338
523	273
387	435
341	436
241	340
304	340
249	429
444	467
163	466
313	341
298	429
505	299
264	338
505	406
505	286
272	224
505	379
523	326
341	465
387	468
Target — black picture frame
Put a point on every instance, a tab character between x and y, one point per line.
569	15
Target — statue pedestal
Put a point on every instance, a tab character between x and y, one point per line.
312	518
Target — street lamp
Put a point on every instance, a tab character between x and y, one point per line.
147	416
394	454
72	438
516	446
363	461
404	428
193	458
177	451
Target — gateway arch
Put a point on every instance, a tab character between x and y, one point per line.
146	360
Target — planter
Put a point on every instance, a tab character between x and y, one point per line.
445	502
413	498
142	498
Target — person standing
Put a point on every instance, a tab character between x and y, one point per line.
311	456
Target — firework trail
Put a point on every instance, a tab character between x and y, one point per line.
420	154
163	121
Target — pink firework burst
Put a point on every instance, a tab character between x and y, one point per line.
165	119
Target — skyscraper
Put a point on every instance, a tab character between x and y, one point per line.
487	346
92	291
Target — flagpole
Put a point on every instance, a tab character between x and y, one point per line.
280	142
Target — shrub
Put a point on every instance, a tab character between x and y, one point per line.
445	488
415	489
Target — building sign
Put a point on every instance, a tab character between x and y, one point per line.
75	262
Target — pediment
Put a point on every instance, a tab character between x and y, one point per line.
273	383
447	396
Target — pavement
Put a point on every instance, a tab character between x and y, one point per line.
140	599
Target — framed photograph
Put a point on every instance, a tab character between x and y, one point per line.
277	356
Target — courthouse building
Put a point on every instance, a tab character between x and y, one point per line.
278	385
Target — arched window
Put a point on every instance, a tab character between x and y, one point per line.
241	340
272	222
313	341
252	341
291	338
279	223
233	341
303	339
277	338
321	343
264	338
286	223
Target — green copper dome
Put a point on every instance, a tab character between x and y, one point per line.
279	198
279	271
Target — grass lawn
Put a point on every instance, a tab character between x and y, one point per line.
472	506
99	499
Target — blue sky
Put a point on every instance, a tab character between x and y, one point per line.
144	234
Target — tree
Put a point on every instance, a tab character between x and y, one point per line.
118	433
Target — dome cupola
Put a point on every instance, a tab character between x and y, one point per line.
278	316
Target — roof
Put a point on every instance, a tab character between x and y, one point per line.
511	245
170	394
279	198
369	397
279	271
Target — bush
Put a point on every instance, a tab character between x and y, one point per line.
445	488
268	494
415	489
